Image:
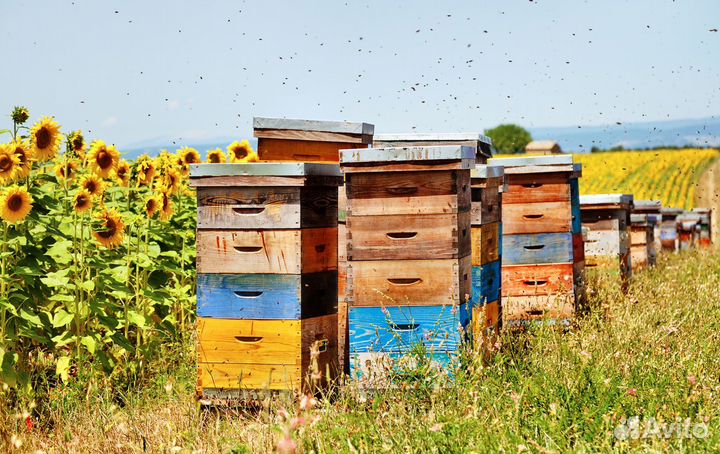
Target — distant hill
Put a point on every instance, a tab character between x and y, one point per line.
703	132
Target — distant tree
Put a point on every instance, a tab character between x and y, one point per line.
509	138
595	150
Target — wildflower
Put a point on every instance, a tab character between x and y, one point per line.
9	163
216	156
15	204
286	446
112	229
82	201
22	150
20	115
103	158
632	392
45	137
93	185
307	403
692	380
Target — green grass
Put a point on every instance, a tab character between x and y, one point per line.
652	353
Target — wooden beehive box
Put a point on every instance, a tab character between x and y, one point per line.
542	253
607	245
409	244
705	239
688	227
481	143
267	276
651	210
641	239
668	228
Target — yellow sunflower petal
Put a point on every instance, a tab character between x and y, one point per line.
15	204
46	138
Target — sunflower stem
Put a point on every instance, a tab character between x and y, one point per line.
3	283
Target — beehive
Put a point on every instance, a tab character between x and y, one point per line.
689	228
486	184
267	276
281	139
705	239
409	244
668	228
646	214
607	246
542	243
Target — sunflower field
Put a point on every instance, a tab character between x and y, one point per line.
667	175
97	258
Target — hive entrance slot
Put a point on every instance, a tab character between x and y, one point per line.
248	339
536	312
247	293
248	211
533	216
534	247
535	282
404	326
404	280
248	249
401	235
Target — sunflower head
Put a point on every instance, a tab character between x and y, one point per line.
189	156
76	144
94	185
15	204
166	204
9	163
24	154
172	181
66	170
83	201
103	158
110	230
45	138
123	173
153	204
145	170
239	151
20	115
216	156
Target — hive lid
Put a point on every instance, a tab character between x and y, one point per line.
553	160
266	169
482	143
485	171
407	154
639	219
342	127
702	210
667	211
647	205
606	199
689	216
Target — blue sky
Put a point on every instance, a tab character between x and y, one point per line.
134	71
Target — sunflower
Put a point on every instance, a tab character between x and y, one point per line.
189	156
238	151
83	201
24	154
152	206
76	144
20	115
15	204
145	168
9	163
216	156
166	211
67	170
103	158
112	229
165	160
251	157
93	185
123	173
172	181
45	137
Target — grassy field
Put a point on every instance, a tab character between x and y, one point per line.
653	353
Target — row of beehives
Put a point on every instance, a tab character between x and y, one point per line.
422	244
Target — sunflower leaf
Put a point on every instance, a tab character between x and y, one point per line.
62	368
90	343
136	319
62	318
60	251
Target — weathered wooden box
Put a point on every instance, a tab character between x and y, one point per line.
688	226
607	218
542	251
481	143
706	221
668	228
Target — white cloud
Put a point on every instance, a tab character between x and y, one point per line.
110	121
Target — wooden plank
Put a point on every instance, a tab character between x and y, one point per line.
265	169
399	329
597	223
482	144
320	347
522	161
303	150
526	280
575	206
343	336
486	206
255	181
639	256
249	341
547	217
414	166
486	283
377	370
408	193
277	208
617	201
344	127
486	243
403	282
267	251
538	307
381	156
314	136
484	317
606	242
639	234
267	296
569	170
537	248
409	237
537	188
249	376
578	248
